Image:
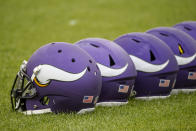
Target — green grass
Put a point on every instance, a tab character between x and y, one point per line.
26	25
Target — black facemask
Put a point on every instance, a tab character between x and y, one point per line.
22	89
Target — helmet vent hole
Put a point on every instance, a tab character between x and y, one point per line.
88	68
90	61
94	45
59	51
187	28
152	57
111	60
163	34
44	100
136	40
181	50
73	60
52	43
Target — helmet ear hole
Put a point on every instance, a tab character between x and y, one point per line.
111	60
152	57
189	29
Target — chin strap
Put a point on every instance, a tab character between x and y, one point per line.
22	89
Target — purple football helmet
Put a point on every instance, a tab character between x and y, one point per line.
188	27
117	70
59	77
184	48
155	62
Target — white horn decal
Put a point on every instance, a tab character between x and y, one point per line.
42	74
144	66
109	72
185	60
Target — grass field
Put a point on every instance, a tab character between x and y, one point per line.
26	25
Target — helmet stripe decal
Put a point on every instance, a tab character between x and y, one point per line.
145	66
185	60
109	72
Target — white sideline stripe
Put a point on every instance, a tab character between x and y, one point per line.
176	91
152	97
111	103
42	111
83	111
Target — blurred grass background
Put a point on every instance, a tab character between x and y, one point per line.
26	25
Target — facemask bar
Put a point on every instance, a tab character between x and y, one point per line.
22	89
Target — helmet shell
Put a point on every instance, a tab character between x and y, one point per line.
117	69
184	48
154	62
189	27
64	95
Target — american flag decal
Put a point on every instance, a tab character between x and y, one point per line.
88	99
123	88
164	83
192	76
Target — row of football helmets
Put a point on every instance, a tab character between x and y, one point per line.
62	77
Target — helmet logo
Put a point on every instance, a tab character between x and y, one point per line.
144	66
43	74
109	72
185	60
